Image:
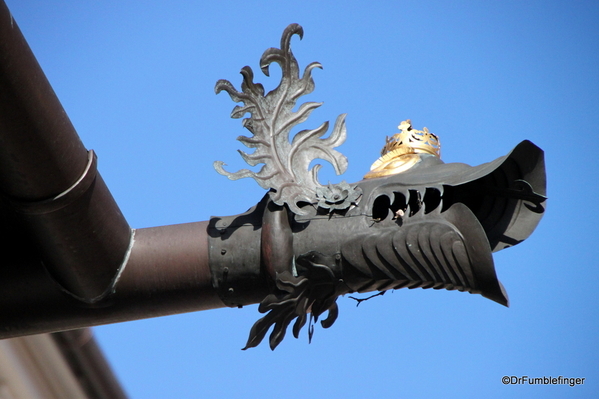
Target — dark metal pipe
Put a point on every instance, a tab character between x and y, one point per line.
69	258
48	177
167	273
36	133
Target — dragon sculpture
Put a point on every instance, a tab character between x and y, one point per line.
413	221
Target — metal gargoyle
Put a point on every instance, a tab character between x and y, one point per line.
414	221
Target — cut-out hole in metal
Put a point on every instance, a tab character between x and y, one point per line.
380	208
432	199
414	202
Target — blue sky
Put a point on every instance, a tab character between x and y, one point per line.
137	79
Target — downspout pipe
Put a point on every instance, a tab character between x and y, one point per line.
167	273
70	259
51	180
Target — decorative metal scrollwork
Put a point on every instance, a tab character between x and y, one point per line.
272	117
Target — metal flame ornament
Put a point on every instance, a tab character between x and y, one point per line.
286	163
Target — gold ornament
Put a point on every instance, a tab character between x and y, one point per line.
403	150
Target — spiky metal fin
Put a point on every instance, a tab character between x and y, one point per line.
286	168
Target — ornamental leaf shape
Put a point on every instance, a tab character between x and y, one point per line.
286	170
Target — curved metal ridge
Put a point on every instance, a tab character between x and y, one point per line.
428	253
83	239
63	199
111	288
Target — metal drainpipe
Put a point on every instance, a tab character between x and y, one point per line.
167	273
48	177
94	268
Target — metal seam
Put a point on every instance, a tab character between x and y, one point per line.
63	199
112	286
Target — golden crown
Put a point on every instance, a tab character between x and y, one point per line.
412	140
401	151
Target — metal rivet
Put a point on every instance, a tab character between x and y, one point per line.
231	290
